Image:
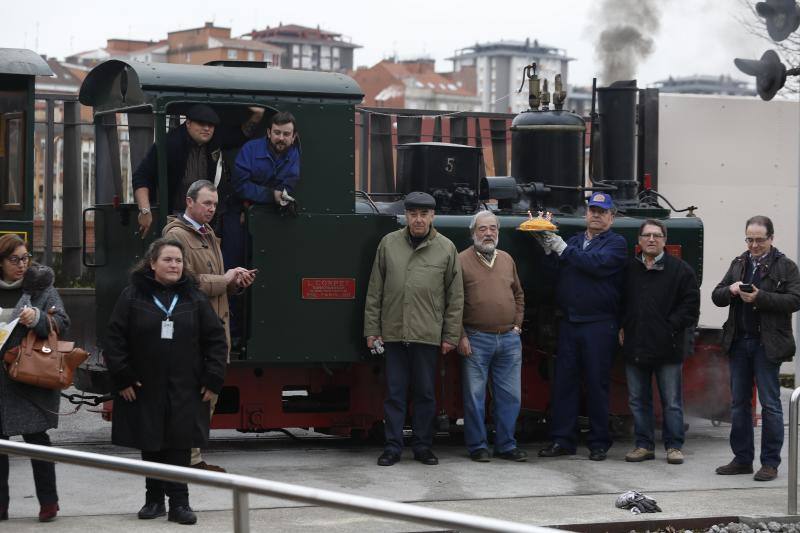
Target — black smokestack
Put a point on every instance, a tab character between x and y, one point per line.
627	28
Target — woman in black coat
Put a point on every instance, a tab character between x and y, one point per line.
27	293
166	354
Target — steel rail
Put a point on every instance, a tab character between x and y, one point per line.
793	419
243	486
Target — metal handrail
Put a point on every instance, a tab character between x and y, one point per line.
242	486
793	418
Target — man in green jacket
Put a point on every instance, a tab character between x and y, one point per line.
414	304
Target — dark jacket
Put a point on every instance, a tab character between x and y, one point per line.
590	280
778	297
661	308
177	147
168	412
24	408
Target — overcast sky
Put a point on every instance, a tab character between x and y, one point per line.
695	37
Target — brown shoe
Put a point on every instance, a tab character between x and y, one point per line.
674	456
766	473
205	466
637	455
734	468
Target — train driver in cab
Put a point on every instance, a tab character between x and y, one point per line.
194	151
267	171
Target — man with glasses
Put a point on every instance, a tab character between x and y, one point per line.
662	305
762	290
591	268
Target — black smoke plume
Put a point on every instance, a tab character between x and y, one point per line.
627	31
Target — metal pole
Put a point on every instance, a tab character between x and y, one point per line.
364	152
73	192
298	493
47	196
793	417
241	512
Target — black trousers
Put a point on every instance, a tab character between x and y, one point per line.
410	365
44	473
156	488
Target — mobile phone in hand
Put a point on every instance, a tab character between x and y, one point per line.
746	287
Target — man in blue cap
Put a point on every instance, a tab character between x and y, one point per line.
591	269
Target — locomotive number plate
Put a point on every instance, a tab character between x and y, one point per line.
328	288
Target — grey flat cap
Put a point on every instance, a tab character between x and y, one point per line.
419	200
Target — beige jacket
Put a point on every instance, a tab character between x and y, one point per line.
204	260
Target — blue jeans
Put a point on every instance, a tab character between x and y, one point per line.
748	362
501	357
640	397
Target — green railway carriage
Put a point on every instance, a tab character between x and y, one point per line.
18	71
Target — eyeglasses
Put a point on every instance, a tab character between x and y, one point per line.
648	236
756	240
17	259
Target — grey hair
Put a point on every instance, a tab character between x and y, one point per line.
199	185
482	213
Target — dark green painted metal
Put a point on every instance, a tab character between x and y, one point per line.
327	162
21	62
116	231
117	84
284	328
17	95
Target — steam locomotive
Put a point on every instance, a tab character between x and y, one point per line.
302	361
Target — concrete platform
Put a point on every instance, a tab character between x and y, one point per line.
566	490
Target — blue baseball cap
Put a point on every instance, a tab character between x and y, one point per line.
601	199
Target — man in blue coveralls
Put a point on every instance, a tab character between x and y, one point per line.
591	269
267	171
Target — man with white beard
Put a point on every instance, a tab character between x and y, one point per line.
494	305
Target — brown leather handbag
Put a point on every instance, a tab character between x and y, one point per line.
48	363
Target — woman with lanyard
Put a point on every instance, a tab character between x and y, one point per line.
166	353
27	293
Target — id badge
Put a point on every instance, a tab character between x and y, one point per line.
167	327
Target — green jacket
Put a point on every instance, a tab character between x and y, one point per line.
415	295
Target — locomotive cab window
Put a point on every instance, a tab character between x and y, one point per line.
12	160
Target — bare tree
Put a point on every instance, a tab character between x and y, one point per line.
788	49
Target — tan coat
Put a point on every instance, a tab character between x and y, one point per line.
204	259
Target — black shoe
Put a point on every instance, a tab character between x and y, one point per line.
388	458
152	510
554	450
182	514
480	455
514	454
426	457
598	454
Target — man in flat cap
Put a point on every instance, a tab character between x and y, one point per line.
591	268
194	152
413	312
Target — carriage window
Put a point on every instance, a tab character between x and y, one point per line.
12	134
